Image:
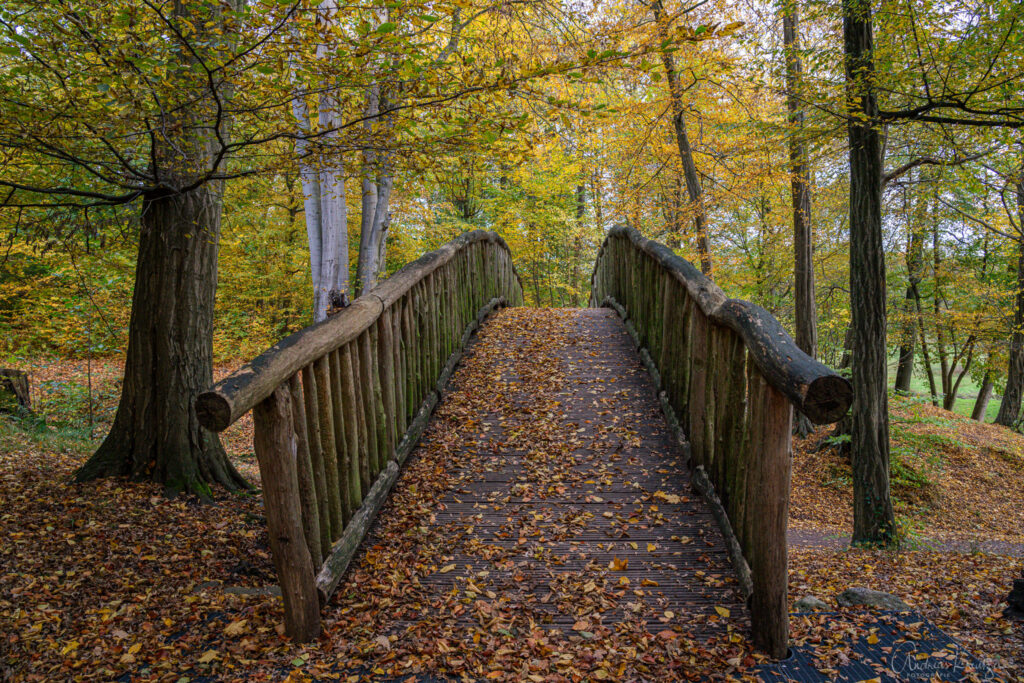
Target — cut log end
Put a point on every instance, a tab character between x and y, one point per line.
827	399
213	411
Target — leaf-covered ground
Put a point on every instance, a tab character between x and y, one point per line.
954	478
110	580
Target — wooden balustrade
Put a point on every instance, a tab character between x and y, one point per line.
339	406
728	375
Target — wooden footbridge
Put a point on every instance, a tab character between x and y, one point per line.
669	487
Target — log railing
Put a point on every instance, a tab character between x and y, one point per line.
338	406
728	376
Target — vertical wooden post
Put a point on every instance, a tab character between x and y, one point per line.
410	342
698	380
398	342
307	489
309	393
386	364
353	432
364	414
771	430
328	447
374	402
276	451
342	454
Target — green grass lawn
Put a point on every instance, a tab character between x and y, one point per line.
965	396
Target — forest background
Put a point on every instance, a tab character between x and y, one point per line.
582	141
289	154
547	122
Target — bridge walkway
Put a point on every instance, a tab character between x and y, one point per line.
546	497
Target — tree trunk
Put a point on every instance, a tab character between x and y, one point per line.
803	243
14	391
323	190
156	435
847	357
577	247
1009	409
805	310
908	335
984	395
376	199
694	190
926	355
874	521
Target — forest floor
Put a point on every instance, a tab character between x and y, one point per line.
112	581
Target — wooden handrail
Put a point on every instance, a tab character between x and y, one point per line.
727	374
238	393
338	406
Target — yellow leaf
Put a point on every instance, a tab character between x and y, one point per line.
134	648
208	656
235	628
872	639
617	565
651	547
722	611
70	647
445	569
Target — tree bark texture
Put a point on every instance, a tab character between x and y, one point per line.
874	519
984	395
156	435
694	189
803	242
1009	409
908	334
323	189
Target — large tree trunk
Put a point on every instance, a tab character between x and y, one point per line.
156	435
1009	409
694	190
873	519
323	190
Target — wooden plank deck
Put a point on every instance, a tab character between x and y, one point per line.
547	496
